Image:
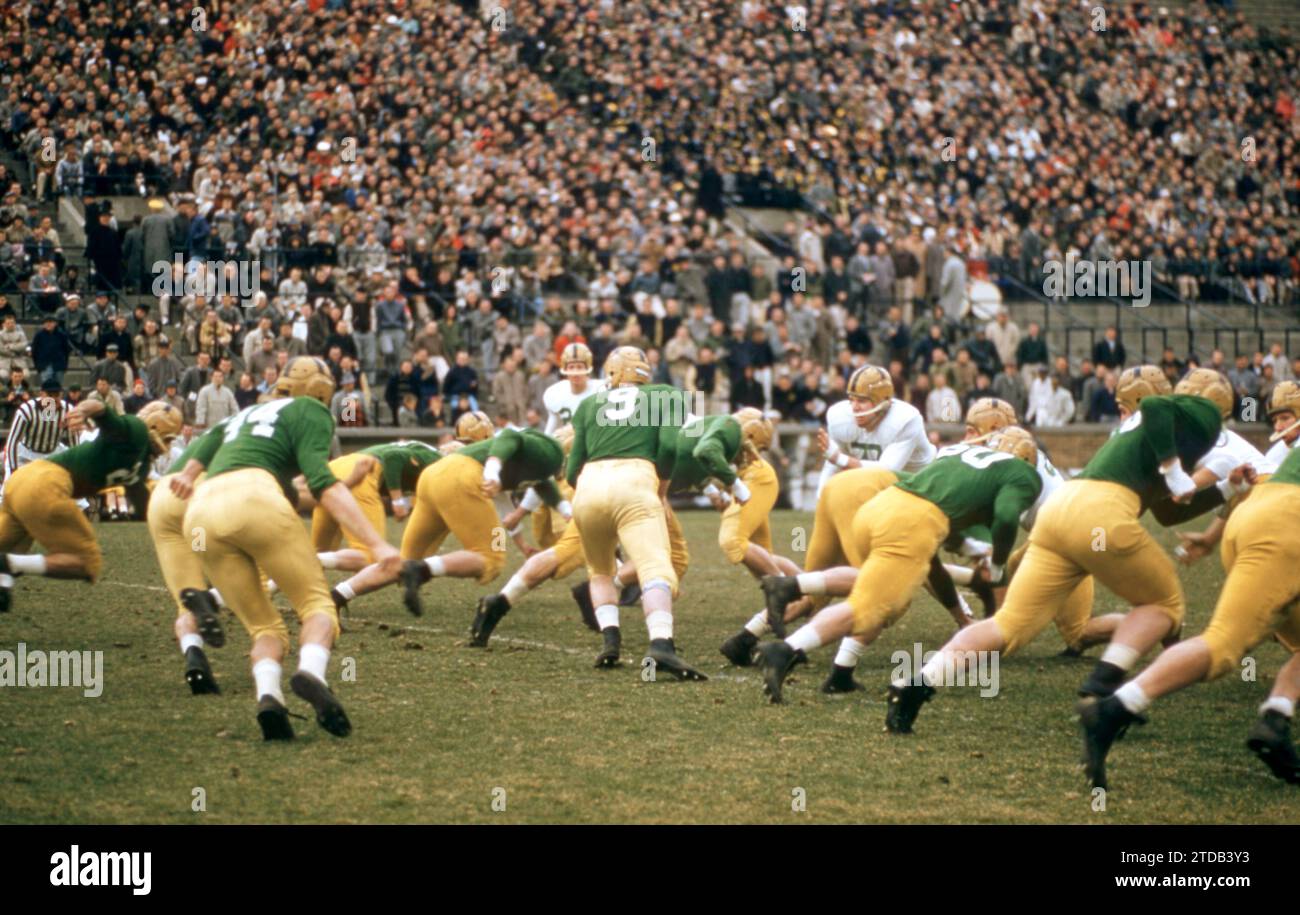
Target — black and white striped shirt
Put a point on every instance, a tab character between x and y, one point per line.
38	427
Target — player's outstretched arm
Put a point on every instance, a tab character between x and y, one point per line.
337	499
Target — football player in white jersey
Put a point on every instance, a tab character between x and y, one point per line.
872	428
1284	414
562	398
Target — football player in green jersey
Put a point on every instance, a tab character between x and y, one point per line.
899	532
240	517
40	498
1092	526
623	440
455	496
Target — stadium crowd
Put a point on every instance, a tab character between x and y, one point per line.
439	198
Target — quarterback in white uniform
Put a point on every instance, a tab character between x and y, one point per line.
873	429
562	398
1284	413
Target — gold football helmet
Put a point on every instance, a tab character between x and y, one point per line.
1138	382
627	365
1285	399
1211	385
573	354
163	421
472	427
873	385
986	416
756	431
306	376
1016	441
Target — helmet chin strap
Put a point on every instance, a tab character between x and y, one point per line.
1278	436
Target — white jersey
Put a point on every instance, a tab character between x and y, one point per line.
1277	454
899	443
561	403
1230	452
1052	479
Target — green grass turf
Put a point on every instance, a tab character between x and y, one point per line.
439	727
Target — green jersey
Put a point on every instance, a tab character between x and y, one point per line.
976	485
284	437
704	448
403	462
118	455
1164	426
628	422
1289	471
204	447
528	458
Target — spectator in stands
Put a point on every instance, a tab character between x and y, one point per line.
952	285
146	346
461	382
44	286
164	367
1057	409
942	404
1245	385
1109	351
348	404
105	393
214	336
1010	386
81	331
538	344
390	319
13	346
510	389
747	390
408	414
117	335
436	413
1281	365
137	398
104	250
17	391
1103	407
404	381
193	380
110	368
246	393
214	403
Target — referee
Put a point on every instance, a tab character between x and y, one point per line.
38	429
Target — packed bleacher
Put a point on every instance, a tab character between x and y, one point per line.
438	197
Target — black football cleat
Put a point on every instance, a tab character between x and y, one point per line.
1069	652
6	599
204	608
329	713
664	655
904	705
608	656
1103	681
1173	638
630	595
776	660
778	591
1270	740
414	573
198	674
340	602
841	681
582	596
1104	721
490	612
984	591
274	719
739	649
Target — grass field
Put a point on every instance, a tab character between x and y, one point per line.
441	730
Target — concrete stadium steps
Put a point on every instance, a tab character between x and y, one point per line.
1272	14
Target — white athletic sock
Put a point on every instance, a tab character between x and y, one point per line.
850	650
271	586
1131	696
6	580
345	589
960	574
515	588
660	624
436	566
328	560
191	640
757	626
607	615
314	659
1280	704
805	638
266	676
1121	656
27	564
812	582
216	596
618	582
